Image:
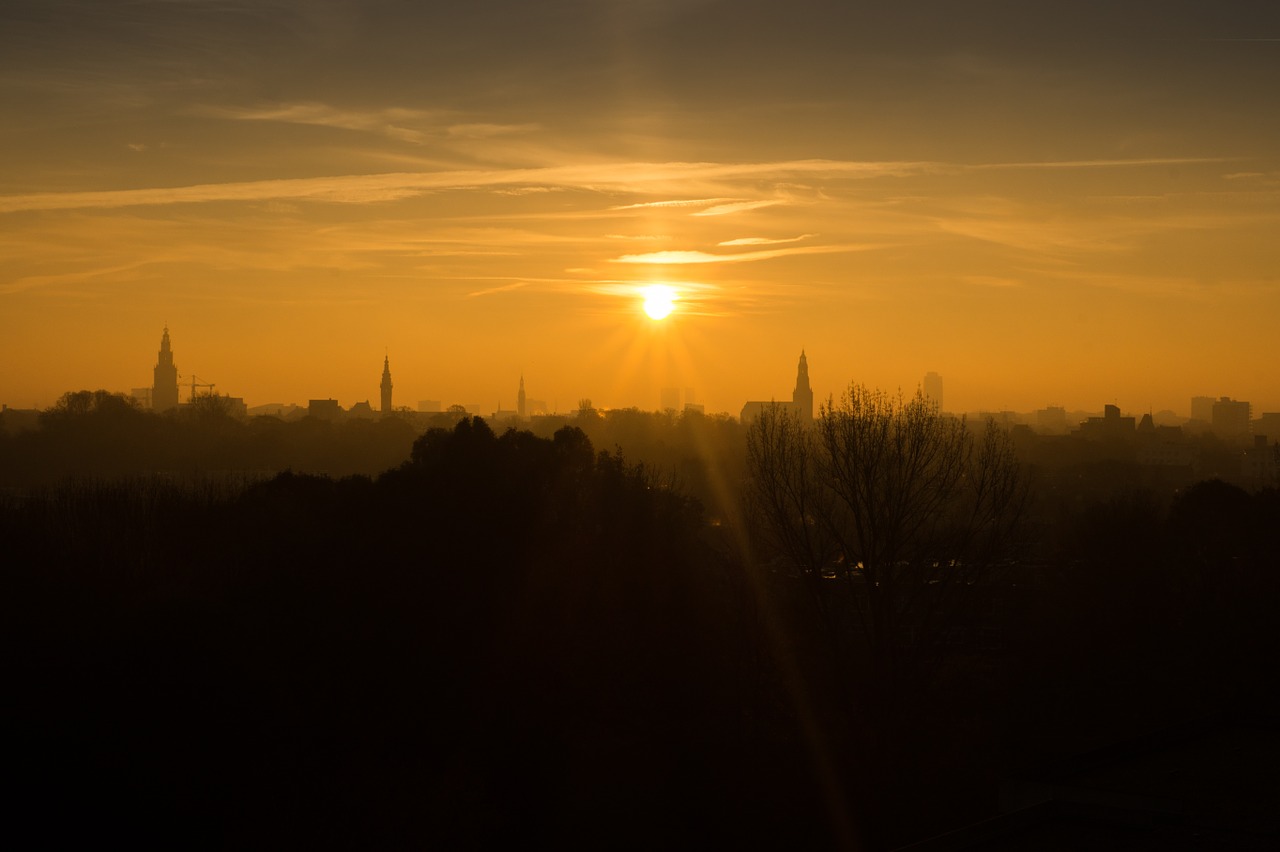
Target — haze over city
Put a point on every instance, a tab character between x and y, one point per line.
1056	204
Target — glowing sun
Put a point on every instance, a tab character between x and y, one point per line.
659	301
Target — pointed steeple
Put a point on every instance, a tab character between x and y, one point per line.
802	396
164	387
520	398
386	385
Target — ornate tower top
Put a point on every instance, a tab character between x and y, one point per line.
802	396
164	385
386	384
520	398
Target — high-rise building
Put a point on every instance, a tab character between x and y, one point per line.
520	407
1268	426
1111	426
802	396
1202	408
164	388
1052	420
933	389
670	399
386	384
1231	418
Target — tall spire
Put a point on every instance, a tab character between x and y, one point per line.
802	396
164	387
520	398
386	385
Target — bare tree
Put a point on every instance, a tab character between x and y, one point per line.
786	497
887	505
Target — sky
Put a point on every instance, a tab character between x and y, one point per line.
1047	203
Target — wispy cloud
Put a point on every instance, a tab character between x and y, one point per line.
503	289
683	202
683	257
488	131
764	241
736	207
1096	164
394	122
31	282
631	177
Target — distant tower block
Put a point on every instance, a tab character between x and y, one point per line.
802	396
1202	408
933	389
670	399
164	389
520	406
386	385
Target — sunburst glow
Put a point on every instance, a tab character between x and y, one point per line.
659	301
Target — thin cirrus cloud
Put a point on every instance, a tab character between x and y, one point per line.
391	186
684	257
736	207
393	122
630	177
764	241
489	291
406	125
712	206
488	131
680	202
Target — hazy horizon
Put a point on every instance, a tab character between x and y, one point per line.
1053	205
570	403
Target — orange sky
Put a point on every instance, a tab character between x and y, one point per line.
1074	204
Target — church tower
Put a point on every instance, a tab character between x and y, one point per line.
164	388
520	399
802	396
386	385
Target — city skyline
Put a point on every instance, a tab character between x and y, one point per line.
1059	205
168	384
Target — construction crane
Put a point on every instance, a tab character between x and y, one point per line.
196	383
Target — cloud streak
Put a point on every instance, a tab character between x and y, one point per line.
690	202
686	257
503	289
736	207
630	177
392	122
764	241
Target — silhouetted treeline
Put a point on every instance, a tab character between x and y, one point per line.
96	434
516	638
704	455
504	638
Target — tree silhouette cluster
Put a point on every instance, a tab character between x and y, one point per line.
887	508
515	637
505	637
100	435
